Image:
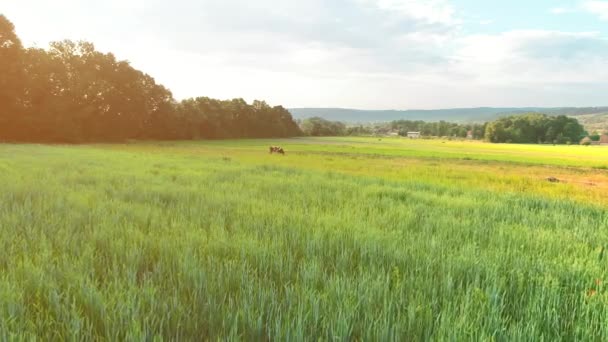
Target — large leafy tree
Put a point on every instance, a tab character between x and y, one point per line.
535	128
75	93
110	99
12	78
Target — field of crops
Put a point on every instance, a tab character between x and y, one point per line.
340	239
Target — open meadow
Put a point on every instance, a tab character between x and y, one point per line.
340	239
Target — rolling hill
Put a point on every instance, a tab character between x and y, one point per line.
594	122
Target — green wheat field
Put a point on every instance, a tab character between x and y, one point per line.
341	239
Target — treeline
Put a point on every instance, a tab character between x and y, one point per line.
321	127
318	127
73	93
438	129
525	128
535	128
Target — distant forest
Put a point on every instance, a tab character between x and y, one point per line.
317	126
528	128
73	93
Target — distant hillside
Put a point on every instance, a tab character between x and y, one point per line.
453	115
594	122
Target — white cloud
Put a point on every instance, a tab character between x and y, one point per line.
561	10
351	53
534	57
599	8
431	11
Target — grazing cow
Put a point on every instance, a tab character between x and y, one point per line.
277	149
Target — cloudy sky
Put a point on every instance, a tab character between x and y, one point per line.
369	54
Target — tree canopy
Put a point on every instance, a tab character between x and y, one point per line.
73	93
203	117
317	126
535	128
12	76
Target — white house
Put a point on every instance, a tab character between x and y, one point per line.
413	135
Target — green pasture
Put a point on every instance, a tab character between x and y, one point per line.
340	239
554	155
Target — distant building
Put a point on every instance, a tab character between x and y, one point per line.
604	139
413	135
470	135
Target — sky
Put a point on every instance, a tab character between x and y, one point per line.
367	54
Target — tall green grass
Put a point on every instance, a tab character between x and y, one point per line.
100	243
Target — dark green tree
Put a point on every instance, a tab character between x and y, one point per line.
12	80
317	126
535	128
